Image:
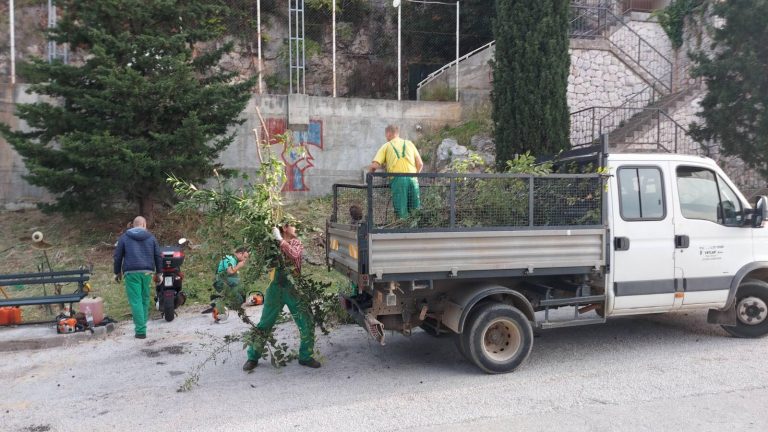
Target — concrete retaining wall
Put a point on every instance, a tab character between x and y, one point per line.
340	140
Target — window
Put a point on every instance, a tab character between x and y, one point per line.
705	195
641	194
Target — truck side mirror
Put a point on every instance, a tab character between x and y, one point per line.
759	212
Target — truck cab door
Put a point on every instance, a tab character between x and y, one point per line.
642	251
712	241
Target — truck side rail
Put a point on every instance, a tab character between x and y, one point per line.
475	202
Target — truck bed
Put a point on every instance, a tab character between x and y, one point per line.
534	226
462	253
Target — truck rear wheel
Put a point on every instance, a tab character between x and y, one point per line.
751	310
498	338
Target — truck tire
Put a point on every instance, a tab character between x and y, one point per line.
460	342
498	338
751	310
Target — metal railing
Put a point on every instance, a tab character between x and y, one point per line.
472	202
436	74
649	129
591	19
594	21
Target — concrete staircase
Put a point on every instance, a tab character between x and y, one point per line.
644	120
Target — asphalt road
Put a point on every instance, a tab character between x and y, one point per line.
655	373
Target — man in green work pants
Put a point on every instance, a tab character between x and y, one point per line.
137	256
281	292
400	156
227	282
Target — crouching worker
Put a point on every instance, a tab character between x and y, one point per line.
281	292
227	282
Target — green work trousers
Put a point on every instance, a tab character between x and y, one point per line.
405	195
137	288
281	293
230	290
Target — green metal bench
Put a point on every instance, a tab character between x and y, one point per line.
54	278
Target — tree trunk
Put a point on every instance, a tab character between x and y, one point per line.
147	209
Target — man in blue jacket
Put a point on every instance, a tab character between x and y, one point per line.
137	256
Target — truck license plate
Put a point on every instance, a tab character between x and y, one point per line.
168	281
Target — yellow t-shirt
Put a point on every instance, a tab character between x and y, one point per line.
398	155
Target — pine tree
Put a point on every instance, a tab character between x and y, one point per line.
148	99
530	78
735	108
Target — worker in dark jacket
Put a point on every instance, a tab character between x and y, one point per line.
137	256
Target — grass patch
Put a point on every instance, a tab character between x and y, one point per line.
479	123
438	93
89	240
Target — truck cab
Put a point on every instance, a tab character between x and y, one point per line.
487	258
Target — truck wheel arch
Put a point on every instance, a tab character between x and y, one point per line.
460	307
754	270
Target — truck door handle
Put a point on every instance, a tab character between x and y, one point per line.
621	243
682	241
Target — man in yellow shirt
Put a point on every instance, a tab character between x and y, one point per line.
400	156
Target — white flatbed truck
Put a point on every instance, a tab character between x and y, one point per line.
655	233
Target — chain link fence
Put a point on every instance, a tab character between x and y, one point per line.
31	18
366	42
471	201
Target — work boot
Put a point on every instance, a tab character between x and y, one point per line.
310	362
140	336
250	365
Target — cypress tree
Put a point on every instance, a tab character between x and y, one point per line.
147	99
530	78
735	108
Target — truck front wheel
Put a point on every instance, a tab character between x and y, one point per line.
498	338
751	310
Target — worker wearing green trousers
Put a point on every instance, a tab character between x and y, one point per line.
137	289
405	195
281	293
137	256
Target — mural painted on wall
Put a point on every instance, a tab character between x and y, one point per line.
298	159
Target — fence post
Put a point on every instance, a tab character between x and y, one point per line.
530	201
369	183
12	24
335	214
676	129
452	202
593	124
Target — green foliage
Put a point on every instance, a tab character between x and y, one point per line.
311	48
473	162
498	201
349	6
246	215
530	77
439	93
276	83
734	108
423	23
478	123
674	17
526	164
141	105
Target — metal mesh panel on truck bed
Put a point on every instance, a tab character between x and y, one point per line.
466	202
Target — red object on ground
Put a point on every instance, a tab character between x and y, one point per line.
10	316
